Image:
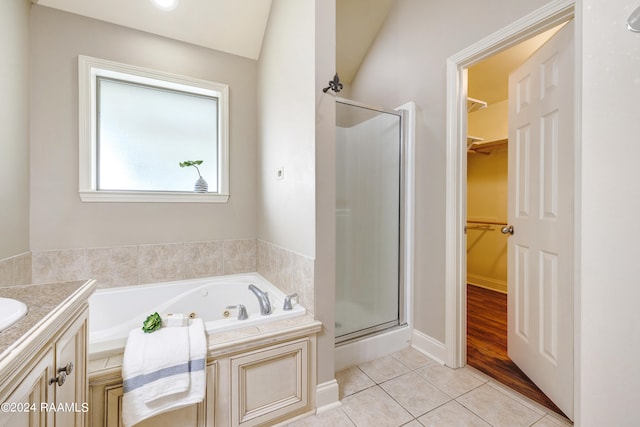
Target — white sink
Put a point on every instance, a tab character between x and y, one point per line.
11	311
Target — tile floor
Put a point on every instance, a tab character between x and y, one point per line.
409	389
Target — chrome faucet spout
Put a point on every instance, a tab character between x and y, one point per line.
263	300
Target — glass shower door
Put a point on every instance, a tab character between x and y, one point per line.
368	220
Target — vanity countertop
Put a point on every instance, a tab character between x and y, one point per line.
45	303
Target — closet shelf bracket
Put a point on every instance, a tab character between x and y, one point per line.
475	105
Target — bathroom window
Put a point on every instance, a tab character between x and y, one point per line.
138	125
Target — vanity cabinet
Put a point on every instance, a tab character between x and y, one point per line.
50	388
21	406
69	379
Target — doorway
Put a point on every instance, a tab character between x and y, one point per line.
537	22
487	232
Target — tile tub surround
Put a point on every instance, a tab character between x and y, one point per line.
409	389
141	264
16	270
289	271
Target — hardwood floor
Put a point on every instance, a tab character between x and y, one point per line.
487	343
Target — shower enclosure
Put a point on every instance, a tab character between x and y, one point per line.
369	200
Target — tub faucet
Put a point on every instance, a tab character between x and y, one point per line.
242	311
263	299
287	302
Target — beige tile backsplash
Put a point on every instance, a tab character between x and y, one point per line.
289	271
139	264
59	266
160	263
240	256
16	270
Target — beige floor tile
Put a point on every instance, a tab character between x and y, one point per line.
413	423
452	415
373	407
333	418
412	358
415	394
384	369
550	421
454	382
352	380
498	409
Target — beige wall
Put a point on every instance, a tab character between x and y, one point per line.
286	127
487	202
14	128
59	220
325	184
608	332
297	132
487	198
407	63
491	123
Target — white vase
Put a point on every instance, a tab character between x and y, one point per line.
201	186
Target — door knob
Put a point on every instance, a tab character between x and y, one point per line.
507	229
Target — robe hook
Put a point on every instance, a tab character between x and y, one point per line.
334	85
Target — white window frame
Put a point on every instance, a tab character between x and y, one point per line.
88	70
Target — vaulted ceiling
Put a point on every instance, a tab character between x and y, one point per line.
238	27
234	26
231	26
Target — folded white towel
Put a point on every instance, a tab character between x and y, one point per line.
173	319
165	363
136	405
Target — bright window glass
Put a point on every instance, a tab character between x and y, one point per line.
137	125
144	133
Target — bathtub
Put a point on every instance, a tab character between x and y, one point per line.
114	312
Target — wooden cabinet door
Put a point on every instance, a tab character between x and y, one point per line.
70	359
269	384
23	406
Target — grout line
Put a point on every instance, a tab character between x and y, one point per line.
537	409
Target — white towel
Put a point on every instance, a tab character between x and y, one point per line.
175	319
136	405
165	363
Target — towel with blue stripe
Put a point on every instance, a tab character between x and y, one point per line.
163	370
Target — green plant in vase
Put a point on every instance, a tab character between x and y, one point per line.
201	185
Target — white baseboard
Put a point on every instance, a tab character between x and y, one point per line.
327	396
370	348
429	346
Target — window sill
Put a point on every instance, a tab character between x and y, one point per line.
152	197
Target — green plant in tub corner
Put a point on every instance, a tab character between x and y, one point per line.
152	323
193	163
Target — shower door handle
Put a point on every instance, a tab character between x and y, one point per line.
507	230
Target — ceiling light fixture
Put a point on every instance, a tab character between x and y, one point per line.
165	4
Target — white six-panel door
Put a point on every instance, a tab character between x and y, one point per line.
540	250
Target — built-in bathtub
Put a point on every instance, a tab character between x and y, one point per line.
114	312
268	361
